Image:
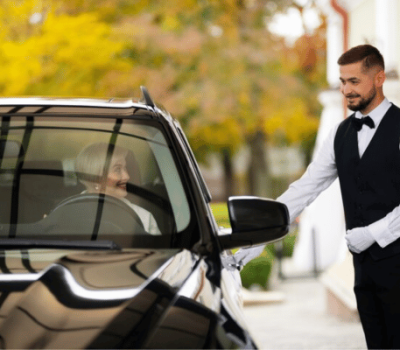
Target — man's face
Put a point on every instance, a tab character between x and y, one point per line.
358	87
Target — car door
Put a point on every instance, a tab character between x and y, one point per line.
206	312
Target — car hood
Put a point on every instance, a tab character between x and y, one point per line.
67	299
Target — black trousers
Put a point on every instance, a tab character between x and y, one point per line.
377	290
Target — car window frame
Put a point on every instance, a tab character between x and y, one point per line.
143	119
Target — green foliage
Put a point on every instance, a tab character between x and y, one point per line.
287	244
220	212
258	271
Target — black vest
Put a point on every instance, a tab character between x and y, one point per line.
371	185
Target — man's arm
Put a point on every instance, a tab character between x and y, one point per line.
319	175
383	231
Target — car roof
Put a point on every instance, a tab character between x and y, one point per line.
64	101
81	106
46	105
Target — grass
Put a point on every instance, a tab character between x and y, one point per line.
220	212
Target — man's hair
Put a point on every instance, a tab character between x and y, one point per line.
368	54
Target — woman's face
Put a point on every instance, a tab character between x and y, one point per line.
117	179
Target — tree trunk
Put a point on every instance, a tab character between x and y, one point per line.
258	174
229	181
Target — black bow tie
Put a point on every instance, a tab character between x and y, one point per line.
359	122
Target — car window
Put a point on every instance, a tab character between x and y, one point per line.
90	178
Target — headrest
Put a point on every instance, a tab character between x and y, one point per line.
10	149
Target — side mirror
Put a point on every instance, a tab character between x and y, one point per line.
255	221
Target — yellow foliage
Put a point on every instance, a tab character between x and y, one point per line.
226	134
291	120
66	47
170	22
223	85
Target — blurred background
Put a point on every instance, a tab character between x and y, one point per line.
241	76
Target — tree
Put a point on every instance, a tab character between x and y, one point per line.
225	78
61	54
212	63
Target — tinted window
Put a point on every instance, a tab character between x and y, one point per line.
86	178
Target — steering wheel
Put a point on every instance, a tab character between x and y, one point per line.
94	214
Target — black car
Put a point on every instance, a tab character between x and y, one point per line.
107	239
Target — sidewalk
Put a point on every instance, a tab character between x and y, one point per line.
296	318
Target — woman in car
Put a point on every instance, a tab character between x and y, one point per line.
112	180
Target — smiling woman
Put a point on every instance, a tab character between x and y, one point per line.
102	168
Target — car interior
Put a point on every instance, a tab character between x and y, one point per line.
35	190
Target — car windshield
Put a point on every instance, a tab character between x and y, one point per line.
88	178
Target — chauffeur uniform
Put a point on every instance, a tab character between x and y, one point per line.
366	159
370	188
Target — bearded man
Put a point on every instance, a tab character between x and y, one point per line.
363	152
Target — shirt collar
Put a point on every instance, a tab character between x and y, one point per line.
378	113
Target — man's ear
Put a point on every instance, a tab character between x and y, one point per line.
380	78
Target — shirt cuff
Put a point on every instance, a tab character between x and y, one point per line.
379	230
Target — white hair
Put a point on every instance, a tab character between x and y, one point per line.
90	163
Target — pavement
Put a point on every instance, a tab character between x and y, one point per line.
293	316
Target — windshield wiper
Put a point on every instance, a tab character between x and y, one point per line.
16	243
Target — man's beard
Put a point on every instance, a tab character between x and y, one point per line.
364	102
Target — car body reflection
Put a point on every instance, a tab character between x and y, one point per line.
104	299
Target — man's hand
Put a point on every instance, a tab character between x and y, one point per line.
241	257
230	263
359	239
244	255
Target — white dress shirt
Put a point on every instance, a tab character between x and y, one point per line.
320	174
